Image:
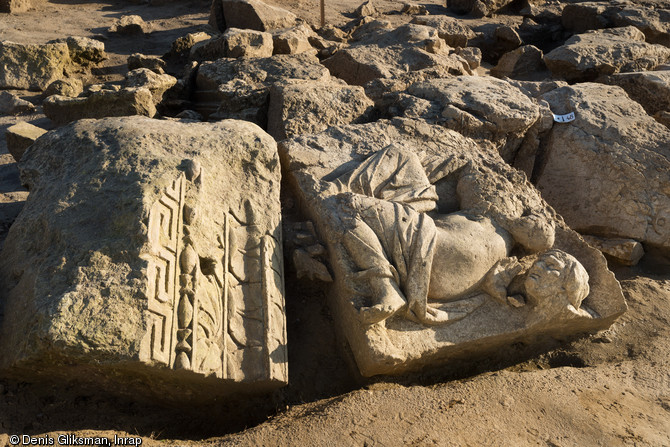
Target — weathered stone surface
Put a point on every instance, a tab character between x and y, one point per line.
653	22
607	172
153	63
388	53
586	56
100	104
145	78
524	63
294	40
309	107
160	274
650	89
481	107
11	104
478	8
20	136
84	51
71	87
32	67
239	88
622	251
393	203
249	14
247	43
451	30
130	25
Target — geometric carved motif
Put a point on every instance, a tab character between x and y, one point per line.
162	272
220	317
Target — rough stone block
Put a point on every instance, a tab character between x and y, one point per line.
100	104
20	136
32	67
148	260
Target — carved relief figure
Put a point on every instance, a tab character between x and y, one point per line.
405	255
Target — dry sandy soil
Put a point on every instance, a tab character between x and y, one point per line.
610	389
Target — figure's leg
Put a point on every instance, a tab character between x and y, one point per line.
375	276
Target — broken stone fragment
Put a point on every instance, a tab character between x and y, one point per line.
209	50
71	87
414	9
365	9
32	67
149	256
247	43
418	282
100	104
153	63
249	14
582	17
586	56
85	51
472	55
454	33
294	40
507	37
157	84
307	107
622	251
524	63
130	25
332	33
181	47
11	104
20	136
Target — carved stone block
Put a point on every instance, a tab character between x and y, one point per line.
149	249
439	251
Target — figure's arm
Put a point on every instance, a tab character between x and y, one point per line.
500	276
535	233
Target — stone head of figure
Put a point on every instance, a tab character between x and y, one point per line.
557	276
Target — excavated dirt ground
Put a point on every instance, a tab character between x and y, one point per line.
610	389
